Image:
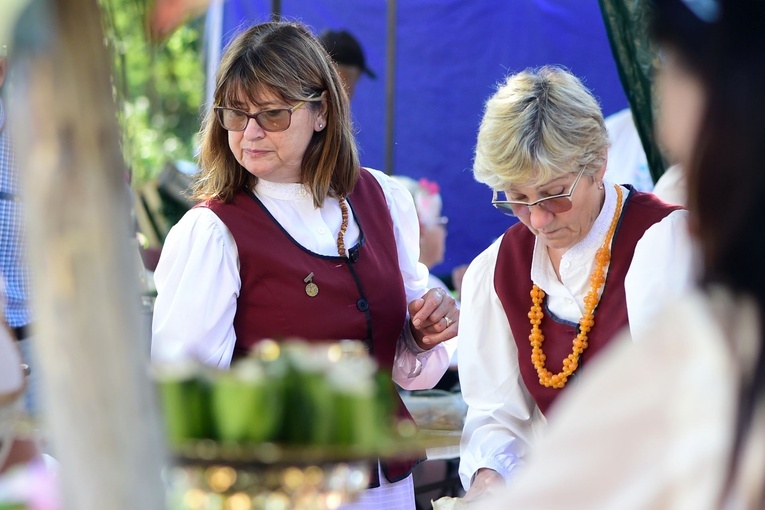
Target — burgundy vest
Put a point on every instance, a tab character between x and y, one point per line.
359	297
512	281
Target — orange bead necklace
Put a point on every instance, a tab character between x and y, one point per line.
586	323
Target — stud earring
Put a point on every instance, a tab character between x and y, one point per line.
600	185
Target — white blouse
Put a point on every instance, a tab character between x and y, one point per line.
651	427
503	418
198	281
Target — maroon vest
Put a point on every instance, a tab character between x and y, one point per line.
359	297
512	281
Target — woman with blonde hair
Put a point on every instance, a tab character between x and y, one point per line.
586	259
676	420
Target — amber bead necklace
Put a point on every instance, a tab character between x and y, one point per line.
597	279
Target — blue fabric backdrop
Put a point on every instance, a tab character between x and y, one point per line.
450	56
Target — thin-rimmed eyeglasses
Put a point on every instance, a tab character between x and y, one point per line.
554	204
275	120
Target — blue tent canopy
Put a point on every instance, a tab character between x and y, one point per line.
449	57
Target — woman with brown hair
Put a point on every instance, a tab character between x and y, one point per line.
289	239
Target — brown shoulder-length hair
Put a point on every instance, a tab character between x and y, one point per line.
285	59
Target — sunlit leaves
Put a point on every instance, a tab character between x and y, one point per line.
159	87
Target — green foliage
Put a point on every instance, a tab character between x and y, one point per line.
159	87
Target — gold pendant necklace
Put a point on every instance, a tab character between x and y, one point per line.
311	288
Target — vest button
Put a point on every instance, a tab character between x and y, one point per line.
362	305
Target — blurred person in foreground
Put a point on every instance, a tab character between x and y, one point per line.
348	56
587	259
293	238
13	265
677	419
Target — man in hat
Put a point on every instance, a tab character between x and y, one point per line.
346	51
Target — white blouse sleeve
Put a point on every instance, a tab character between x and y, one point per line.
406	228
663	269
412	368
198	284
502	416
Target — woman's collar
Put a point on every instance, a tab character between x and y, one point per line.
283	190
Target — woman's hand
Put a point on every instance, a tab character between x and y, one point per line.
434	318
486	482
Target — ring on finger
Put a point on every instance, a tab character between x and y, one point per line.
448	321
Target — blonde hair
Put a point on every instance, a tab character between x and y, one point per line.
539	125
285	59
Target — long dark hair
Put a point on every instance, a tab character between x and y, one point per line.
725	47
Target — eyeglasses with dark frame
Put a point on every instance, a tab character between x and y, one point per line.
273	121
554	204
